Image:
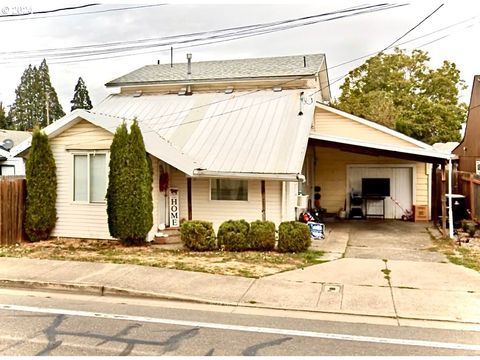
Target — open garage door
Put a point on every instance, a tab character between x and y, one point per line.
401	187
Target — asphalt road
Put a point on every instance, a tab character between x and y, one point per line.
41	323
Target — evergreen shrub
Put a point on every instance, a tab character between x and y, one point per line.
41	178
198	235
262	235
233	235
293	236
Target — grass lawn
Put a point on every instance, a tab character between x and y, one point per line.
248	264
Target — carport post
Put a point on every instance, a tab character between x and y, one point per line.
450	210
443	200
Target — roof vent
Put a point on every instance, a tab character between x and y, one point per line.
229	90
277	89
138	93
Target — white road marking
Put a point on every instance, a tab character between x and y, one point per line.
251	329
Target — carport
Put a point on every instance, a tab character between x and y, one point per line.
345	151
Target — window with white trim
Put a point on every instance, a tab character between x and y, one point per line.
90	177
477	167
229	189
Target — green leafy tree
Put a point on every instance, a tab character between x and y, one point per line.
41	213
33	96
81	98
129	193
402	92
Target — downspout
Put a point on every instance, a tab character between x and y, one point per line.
450	210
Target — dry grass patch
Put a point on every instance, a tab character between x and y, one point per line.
460	253
247	264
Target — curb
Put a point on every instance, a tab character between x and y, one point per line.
99	290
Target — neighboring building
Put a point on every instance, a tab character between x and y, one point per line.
468	151
228	140
10	165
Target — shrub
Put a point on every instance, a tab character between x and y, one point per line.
129	193
40	171
198	235
293	236
262	235
233	235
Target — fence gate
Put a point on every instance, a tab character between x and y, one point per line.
12	209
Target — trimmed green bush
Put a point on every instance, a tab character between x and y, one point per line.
233	235
40	171
129	193
293	236
198	235
262	235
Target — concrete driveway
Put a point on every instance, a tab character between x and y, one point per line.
380	239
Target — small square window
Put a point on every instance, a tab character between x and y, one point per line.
227	189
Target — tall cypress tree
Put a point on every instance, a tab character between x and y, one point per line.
81	98
41	213
129	193
33	94
117	166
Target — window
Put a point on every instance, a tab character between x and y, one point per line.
90	177
477	167
226	189
7	170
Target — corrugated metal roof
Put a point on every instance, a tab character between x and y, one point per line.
271	67
426	153
255	133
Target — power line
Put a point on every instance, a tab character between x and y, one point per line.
47	11
82	13
254	30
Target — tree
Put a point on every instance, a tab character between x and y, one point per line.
400	91
129	193
4	123
40	171
34	95
81	99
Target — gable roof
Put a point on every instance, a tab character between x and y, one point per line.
375	126
256	134
227	70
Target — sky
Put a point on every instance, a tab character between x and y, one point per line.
341	40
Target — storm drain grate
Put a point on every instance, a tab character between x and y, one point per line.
332	288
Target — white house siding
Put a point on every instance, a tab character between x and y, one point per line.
86	220
74	219
219	211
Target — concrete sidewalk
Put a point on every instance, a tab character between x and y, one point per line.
416	290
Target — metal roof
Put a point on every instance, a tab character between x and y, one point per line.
271	67
427	154
256	134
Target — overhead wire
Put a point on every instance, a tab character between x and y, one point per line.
256	30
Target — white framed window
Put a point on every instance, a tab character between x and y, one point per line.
229	189
90	176
477	167
7	170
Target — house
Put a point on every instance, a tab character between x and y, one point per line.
10	165
468	151
231	139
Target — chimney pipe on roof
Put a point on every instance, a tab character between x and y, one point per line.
189	66
304	61
158	62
